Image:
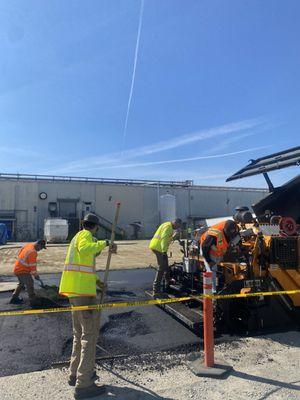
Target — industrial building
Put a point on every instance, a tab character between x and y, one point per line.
26	201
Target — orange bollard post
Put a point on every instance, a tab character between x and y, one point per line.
208	367
208	321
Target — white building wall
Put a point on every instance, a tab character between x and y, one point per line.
150	216
140	203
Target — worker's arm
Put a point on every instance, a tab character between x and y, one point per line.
206	246
87	245
31	262
112	248
166	238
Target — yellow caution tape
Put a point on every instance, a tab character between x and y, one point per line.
96	307
143	303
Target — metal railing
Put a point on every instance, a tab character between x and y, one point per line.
124	182
106	224
60	178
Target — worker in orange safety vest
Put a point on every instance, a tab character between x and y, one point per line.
25	269
214	244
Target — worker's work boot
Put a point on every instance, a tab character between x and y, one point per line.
16	300
72	379
91	391
168	289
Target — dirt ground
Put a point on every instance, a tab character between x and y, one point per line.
264	368
130	255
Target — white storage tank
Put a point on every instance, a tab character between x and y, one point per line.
167	206
56	230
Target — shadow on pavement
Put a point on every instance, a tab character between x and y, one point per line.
266	381
128	393
290	338
265	396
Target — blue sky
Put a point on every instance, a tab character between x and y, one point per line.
203	85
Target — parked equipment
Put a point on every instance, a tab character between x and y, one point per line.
266	259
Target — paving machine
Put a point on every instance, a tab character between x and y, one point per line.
267	257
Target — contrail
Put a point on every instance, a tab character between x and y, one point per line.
137	45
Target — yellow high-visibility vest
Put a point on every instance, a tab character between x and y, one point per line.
79	276
162	238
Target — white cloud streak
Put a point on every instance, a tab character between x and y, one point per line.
113	159
195	137
189	159
224	144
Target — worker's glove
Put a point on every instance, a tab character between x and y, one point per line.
175	236
101	286
113	248
37	277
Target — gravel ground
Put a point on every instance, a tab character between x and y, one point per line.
264	368
130	255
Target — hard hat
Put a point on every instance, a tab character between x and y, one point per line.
91	218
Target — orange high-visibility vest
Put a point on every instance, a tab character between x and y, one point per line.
218	232
26	262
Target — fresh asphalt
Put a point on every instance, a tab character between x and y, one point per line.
32	343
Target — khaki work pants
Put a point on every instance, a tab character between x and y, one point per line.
25	281
86	325
163	271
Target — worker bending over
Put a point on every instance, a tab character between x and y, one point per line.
159	245
215	243
79	283
25	269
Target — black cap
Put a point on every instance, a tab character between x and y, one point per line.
178	221
41	243
91	218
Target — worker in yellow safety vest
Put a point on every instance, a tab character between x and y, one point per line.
159	245
79	283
